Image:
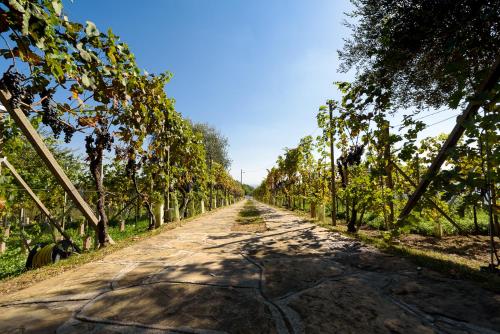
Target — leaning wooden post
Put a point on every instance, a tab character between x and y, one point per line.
475	103
38	202
36	141
430	201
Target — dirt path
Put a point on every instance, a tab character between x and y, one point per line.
293	278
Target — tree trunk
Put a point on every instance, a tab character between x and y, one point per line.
185	202
95	151
474	212
351	226
313	210
388	170
102	225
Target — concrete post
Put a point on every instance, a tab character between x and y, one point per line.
202	206
321	212
175	212
158	211
191	210
82	227
87	243
122	225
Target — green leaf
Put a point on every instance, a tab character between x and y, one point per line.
91	30
17	6
57	5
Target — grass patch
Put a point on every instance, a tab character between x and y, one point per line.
249	219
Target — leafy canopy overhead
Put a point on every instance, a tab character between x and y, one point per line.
422	53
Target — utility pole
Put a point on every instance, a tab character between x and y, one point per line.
167	131
211	182
332	162
168	178
241	177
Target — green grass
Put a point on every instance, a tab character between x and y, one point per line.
249	214
12	262
249	219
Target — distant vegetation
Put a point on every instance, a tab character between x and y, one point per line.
143	163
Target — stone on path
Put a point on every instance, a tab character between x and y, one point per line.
295	277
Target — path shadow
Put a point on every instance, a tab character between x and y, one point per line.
307	280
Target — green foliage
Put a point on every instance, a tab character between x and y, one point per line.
422	53
216	145
248	189
71	77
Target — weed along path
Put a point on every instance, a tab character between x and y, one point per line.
250	268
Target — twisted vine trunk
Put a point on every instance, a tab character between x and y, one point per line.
145	202
185	202
96	171
95	151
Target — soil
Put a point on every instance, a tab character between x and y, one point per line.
471	247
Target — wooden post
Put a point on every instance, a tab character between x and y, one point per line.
23	221
438	229
202	206
6	226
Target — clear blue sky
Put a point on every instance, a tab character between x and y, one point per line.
257	70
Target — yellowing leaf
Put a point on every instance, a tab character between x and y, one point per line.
57	5
91	30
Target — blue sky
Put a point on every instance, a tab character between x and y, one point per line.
257	70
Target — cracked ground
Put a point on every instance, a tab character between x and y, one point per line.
296	277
